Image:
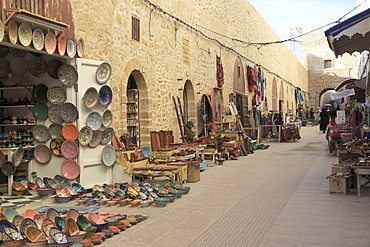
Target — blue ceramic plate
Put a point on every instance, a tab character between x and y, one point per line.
108	155
94	120
105	96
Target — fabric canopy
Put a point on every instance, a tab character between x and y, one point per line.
350	35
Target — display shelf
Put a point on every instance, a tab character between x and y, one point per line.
14	125
12	106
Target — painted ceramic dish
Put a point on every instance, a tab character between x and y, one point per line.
85	135
103	73
105	96
25	34
56	95
46	225
70	169
42	154
12	234
69	149
71	47
107	118
91	97
2	29
62	45
40	183
55	130
70	132
4	67
54	114
96	138
40	110
18	66
17	157
51	183
17	52
4	50
80	47
39	93
107	136
108	155
51	213
61	180
58	236
38	39
68	112
37	66
17	220
13	31
94	120
41	133
8	168
56	147
53	67
50	43
34	234
68	75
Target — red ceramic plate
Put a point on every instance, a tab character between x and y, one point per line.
70	131
42	154
46	225
50	43
62	44
69	149
70	169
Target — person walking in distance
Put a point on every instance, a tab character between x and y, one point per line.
324	120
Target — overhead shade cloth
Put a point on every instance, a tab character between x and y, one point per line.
350	35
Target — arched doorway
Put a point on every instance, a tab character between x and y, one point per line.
189	109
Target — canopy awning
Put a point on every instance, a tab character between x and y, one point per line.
350	35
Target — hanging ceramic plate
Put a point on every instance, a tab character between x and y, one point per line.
69	149
50	43
39	93
70	132
42	154
40	183
38	39
18	156
37	66
108	155
85	135
53	67
7	168
40	111
62	43
71	47
54	114
13	31
25	34
58	236
80	47
105	96
56	147
107	136
70	169
68	75
18	66
68	112
107	118
96	138
4	67
4	50
56	95
41	133
91	97
103	73
94	120
55	130
17	52
2	31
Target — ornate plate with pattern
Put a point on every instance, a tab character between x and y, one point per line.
13	31
108	155
8	168
38	39
56	147
69	149
4	67
105	96
55	130
25	34
54	114
17	157
68	75
17	52
40	110
107	118
85	135
80	47
53	67
57	95
42	154
39	93
50	43
107	136
41	133
90	97
18	66
37	66
2	29
94	120
70	131
96	138
70	169
4	50
103	73
71	47
68	112
62	43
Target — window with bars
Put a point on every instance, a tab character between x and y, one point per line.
135	28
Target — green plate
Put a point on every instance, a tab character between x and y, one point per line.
39	93
40	111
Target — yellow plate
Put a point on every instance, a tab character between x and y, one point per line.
13	31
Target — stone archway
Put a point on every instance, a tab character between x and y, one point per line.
189	104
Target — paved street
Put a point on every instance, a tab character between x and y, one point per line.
275	197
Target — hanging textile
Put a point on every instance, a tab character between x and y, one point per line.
220	72
252	79
262	86
299	95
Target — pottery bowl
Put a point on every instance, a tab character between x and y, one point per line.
19	193
101	235
112	203
96	239
91	232
16	243
100	227
101	202
36	244
161	202
126	223
33	192
86	242
123	202
185	189
178	193
63	199
132	220
108	232
81	201
145	204
77	238
135	203
172	197
45	191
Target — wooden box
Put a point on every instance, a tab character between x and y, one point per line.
193	173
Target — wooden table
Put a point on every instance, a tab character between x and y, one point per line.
361	171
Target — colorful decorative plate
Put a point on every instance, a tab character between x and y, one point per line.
53	67
85	135
70	131
50	43
25	34
68	112
70	169
103	73
107	136
108	155
41	133
46	225
96	138
40	110
39	93
34	234
68	75
56	95
13	31
107	118
26	222
42	154
58	236
51	213
18	66
61	180
69	149
62	43
51	183
37	66
54	114
40	182
2	29
94	120
91	97
105	96
8	168
38	39
17	52
4	67
71	47
4	50
56	147
80	47
17	220
17	157
55	130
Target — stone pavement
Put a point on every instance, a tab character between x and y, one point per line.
275	197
